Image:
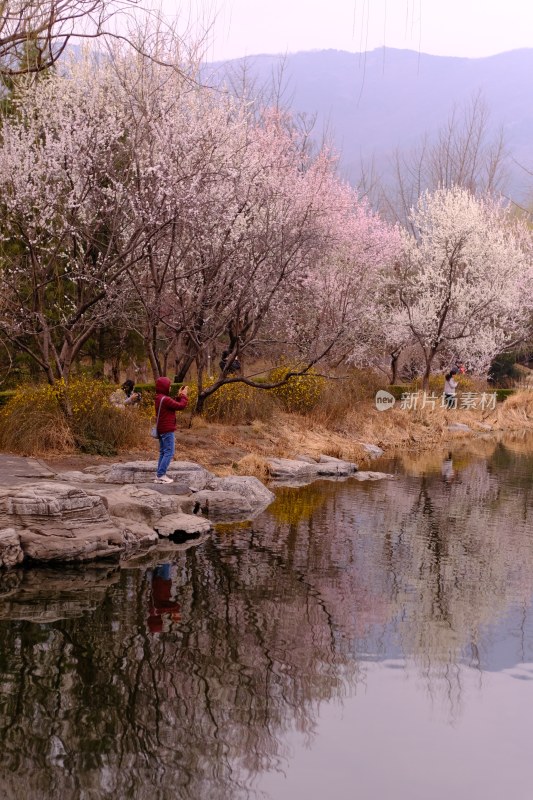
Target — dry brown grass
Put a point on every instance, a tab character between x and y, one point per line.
243	448
516	412
33	422
36	434
519	441
252	464
342	395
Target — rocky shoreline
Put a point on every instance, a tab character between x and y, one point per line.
112	511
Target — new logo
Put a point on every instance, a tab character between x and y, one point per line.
384	400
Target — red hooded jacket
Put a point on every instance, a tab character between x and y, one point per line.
167	415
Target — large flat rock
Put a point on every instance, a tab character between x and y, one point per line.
15	470
59	522
138	503
182	472
223	506
60	507
37	545
300	471
112	510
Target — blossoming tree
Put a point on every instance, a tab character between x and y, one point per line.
267	248
462	286
67	235
132	197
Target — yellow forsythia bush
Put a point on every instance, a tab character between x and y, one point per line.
34	421
235	403
301	393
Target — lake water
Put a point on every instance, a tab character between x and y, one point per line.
358	640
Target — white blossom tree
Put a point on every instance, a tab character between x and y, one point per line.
462	287
344	285
304	254
67	232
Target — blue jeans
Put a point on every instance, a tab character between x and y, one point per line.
166	452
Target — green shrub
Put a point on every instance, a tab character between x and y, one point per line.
398	389
149	388
503	394
466	383
6	396
503	369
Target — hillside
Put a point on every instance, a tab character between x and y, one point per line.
375	102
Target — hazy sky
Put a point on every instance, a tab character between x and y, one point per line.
441	27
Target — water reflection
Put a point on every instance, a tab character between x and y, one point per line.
53	593
162	602
186	674
447	469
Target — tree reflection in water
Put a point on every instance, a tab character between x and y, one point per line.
266	623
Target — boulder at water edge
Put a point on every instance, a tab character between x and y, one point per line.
298	470
53	521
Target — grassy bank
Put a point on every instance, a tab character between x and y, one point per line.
243	448
241	427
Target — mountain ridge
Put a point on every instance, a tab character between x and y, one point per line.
387	98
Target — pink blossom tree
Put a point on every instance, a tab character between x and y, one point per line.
133	197
343	286
266	247
271	249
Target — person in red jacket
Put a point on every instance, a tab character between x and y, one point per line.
165	409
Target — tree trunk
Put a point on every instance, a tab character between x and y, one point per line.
182	366
199	380
394	367
154	363
65	405
427	373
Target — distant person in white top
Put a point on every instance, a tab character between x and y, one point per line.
450	387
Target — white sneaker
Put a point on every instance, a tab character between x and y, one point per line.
164	479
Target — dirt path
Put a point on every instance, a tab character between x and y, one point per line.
18	469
